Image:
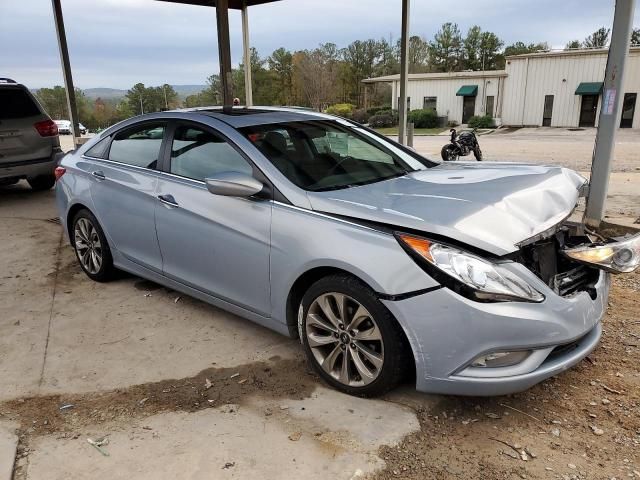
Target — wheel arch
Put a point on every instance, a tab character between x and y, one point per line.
72	212
304	282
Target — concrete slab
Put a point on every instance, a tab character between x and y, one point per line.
131	331
323	440
8	448
27	270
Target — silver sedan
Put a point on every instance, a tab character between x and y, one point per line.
386	265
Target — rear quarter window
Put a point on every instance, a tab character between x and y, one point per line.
16	103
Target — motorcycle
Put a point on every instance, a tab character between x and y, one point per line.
461	145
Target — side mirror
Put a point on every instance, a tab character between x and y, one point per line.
233	184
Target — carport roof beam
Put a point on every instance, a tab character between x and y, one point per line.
224	48
233	4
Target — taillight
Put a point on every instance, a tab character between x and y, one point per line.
46	128
58	172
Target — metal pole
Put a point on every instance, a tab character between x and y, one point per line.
224	51
410	134
609	112
166	104
404	73
141	107
66	69
248	86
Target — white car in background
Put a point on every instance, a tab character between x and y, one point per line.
64	127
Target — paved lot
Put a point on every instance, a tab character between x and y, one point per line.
136	360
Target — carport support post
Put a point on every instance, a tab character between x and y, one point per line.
404	73
248	87
609	112
66	70
224	49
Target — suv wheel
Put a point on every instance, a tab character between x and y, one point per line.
91	247
42	182
350	338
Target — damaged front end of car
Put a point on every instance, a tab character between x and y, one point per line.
569	260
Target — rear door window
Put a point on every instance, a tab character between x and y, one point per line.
16	103
138	146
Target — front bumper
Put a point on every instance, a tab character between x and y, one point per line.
447	332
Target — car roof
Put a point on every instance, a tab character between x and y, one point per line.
239	117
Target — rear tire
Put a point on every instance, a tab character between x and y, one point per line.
91	247
448	153
350	338
42	182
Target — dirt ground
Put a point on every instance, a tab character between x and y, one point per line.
180	389
583	424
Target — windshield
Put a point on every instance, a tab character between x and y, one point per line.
326	155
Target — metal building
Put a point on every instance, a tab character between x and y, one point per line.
553	88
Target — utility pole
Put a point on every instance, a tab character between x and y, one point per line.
404	74
609	112
141	107
166	104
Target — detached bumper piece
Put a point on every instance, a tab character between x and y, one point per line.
622	256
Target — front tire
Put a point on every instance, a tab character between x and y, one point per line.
351	340
42	182
448	153
91	247
477	153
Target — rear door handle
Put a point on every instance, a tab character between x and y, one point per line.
168	200
98	174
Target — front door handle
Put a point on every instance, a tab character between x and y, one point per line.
98	174
168	200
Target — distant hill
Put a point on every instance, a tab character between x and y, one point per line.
105	93
183	91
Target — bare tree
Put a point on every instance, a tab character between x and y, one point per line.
598	39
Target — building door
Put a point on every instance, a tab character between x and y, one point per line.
468	108
548	110
588	110
628	109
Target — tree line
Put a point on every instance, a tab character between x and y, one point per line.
321	76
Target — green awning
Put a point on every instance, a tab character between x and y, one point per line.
468	91
589	88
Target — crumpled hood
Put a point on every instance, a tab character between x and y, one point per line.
492	206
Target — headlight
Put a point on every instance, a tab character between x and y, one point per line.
616	257
468	274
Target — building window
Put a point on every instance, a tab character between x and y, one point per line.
628	109
429	103
548	110
489	105
408	103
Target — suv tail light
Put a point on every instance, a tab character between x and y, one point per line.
46	128
58	172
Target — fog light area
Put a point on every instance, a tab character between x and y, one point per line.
500	359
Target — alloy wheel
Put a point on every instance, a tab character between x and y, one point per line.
88	245
345	339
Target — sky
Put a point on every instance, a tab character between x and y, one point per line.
117	43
